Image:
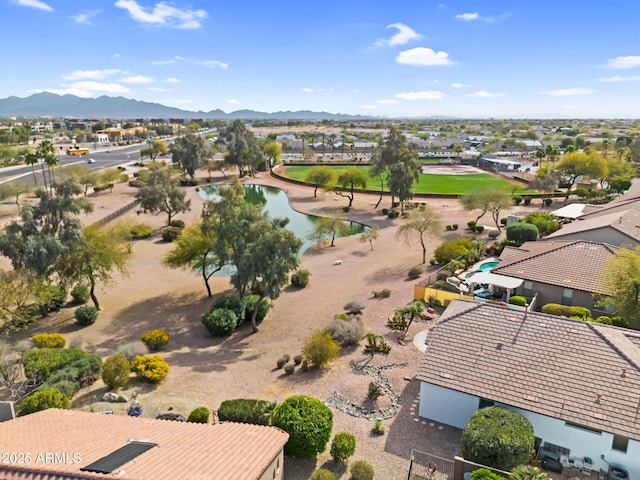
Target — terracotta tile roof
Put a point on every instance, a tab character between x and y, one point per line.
625	221
572	264
229	451
579	372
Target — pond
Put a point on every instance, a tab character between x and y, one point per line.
276	203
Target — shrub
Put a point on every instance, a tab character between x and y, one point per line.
479	228
493	234
140	231
220	322
361	470
498	438
43	362
346	332
281	362
605	320
322	474
169	234
378	428
484	474
527	472
452	249
527	200
308	422
518	300
300	278
393	214
415	272
76	375
548	201
230	302
471	225
517	199
354	308
44	399
320	348
580	312
447	228
116	371
343	446
255	412
248	303
297	359
56	297
177	224
522	232
556	309
48	340
150	367
86	315
289	368
80	294
384	293
132	349
619	321
547	223
374	391
199	415
454	226
155	339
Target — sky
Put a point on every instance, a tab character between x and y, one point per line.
403	58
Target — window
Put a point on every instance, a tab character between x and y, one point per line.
527	289
620	443
485	403
567	296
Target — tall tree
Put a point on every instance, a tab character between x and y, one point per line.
93	259
418	226
350	179
82	175
621	276
320	177
328	227
15	189
32	159
162	195
194	252
488	200
47	154
579	165
243	149
190	152
272	151
157	147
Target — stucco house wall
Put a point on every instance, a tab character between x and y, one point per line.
599	235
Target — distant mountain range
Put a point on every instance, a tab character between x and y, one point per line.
60	106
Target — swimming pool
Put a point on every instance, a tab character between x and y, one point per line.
487	266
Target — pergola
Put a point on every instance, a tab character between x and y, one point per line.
492	280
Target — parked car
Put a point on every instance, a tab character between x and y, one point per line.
91	160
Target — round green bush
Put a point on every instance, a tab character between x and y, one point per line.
230	302
140	231
300	278
48	340
248	303
220	322
86	315
498	438
199	415
361	470
604	320
522	232
518	300
322	474
343	446
556	309
484	474
169	234
155	339
255	412
116	371
42	400
177	223
619	321
80	294
56	297
308	422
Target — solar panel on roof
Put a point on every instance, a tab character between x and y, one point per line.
109	463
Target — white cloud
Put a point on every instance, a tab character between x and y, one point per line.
620	78
163	14
34	4
484	94
307	89
138	79
214	63
233	101
368	107
460	85
423	95
158	89
467	17
624	62
98	74
163	62
563	92
387	101
172	80
85	16
423	56
405	34
95	87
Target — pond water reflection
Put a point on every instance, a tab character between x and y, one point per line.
276	203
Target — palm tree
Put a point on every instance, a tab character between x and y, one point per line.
458	149
528	472
540	154
32	159
47	154
552	152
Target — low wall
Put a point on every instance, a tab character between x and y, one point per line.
440	297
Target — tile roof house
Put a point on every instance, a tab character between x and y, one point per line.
577	382
67	444
564	272
616	223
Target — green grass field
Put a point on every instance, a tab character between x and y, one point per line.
434	184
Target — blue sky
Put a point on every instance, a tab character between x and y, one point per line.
542	58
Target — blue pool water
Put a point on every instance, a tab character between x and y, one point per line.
487	266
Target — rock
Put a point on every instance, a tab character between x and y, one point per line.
178	417
114	398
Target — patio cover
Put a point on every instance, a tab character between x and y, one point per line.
573	210
495	279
